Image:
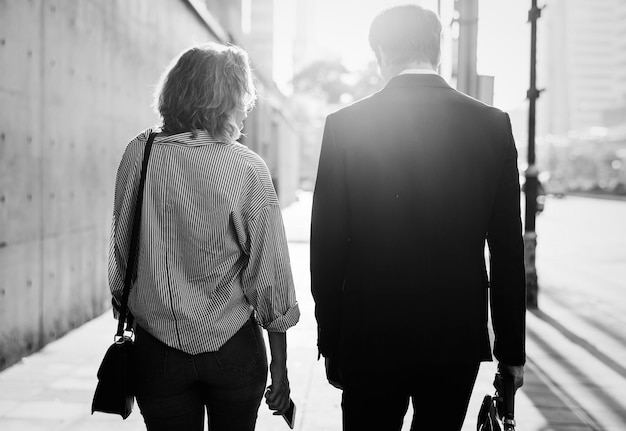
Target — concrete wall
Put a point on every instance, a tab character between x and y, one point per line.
76	80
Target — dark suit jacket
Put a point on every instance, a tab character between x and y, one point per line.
411	182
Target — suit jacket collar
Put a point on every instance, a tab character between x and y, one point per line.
417	80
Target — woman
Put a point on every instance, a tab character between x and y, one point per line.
213	262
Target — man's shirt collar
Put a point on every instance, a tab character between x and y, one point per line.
418	72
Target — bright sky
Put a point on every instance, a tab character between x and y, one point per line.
340	28
504	49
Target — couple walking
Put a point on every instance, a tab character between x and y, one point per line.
411	183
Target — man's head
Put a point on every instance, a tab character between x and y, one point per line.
405	36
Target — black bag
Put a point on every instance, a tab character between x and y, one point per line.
497	412
115	392
488	415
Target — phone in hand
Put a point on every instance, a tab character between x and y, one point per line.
290	414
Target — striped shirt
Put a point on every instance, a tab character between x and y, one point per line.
212	247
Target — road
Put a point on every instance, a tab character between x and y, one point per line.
582	251
581	266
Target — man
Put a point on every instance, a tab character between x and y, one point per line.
411	183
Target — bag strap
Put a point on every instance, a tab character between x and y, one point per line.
134	241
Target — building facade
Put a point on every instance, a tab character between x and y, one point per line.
582	64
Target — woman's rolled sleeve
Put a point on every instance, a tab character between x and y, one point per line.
285	321
267	279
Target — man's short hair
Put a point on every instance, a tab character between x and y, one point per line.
407	33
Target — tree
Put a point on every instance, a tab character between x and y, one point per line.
331	80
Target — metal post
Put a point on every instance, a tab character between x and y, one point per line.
532	173
467	79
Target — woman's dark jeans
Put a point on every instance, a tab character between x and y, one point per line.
174	388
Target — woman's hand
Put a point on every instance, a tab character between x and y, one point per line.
277	395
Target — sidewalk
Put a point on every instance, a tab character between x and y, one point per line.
51	390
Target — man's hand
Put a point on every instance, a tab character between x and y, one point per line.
517	371
277	395
332	372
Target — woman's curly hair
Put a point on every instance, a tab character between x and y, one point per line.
203	87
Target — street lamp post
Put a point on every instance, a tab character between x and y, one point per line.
532	181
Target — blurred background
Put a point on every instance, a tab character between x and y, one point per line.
76	84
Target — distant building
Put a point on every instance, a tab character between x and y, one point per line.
581	63
270	129
620	51
259	35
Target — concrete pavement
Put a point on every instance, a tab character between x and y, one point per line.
52	389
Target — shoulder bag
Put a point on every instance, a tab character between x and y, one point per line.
115	392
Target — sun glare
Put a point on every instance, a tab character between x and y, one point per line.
338	30
343	27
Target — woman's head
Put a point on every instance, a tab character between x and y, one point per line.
207	87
